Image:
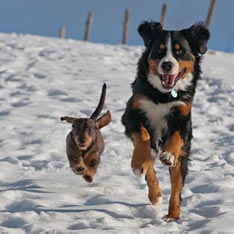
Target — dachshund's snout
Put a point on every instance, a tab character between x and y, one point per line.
79	169
83	140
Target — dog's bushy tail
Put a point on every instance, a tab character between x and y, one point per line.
100	104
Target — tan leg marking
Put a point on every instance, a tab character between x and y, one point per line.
174	144
176	187
142	163
152	182
141	154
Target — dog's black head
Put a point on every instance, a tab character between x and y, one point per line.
172	54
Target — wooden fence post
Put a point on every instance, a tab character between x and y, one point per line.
88	26
125	28
62	31
163	14
210	13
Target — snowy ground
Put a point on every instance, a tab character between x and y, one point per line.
42	79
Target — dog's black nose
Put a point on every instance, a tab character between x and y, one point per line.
80	169
82	140
167	66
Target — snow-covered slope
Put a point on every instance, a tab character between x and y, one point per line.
42	79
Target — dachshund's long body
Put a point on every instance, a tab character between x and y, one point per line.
85	144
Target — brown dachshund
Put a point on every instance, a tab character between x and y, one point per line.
85	143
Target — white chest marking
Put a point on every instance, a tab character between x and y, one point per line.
156	114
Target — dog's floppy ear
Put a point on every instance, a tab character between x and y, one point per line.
148	30
68	119
104	120
197	36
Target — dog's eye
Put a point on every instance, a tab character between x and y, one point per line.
180	52
159	51
73	125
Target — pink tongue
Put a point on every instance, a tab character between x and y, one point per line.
168	79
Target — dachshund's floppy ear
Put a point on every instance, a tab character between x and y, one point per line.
197	36
148	30
104	120
68	119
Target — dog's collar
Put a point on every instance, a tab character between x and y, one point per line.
174	93
158	97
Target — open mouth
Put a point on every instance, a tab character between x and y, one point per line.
170	80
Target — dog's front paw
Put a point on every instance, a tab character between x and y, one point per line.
168	159
140	170
169	219
155	197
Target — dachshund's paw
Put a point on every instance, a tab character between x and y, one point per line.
168	219
168	159
88	178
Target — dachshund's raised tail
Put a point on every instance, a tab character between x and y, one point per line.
100	104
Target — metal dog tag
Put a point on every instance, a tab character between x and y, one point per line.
174	93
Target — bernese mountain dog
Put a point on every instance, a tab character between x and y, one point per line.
158	115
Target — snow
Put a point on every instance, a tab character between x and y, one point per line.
42	79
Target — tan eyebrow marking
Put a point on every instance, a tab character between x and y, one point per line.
161	47
177	46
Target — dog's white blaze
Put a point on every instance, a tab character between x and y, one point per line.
169	58
156	114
